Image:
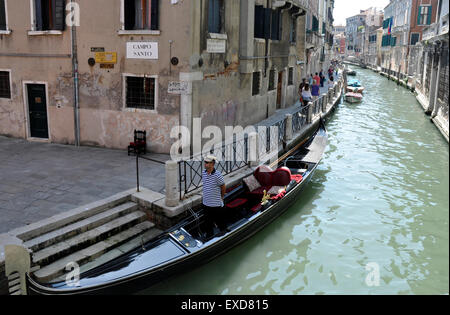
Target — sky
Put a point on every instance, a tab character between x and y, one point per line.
346	8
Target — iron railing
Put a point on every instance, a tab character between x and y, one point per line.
231	157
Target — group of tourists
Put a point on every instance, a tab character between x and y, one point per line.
310	91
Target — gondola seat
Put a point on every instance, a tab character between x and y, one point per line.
236	203
268	179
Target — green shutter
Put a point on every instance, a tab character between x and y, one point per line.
418	15
430	11
59	21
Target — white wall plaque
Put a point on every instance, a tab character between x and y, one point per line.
178	88
216	46
142	50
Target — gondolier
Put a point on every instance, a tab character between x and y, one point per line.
214	189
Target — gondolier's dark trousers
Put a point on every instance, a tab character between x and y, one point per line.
215	215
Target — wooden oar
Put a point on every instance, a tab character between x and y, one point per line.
288	153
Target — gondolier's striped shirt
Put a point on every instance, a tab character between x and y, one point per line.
212	196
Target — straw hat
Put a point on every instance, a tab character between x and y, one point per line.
210	158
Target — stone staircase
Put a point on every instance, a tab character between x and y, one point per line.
88	237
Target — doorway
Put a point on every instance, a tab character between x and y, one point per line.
37	110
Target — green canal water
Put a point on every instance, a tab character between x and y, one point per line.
374	219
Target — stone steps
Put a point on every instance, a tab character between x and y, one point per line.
50	254
89	254
50	238
87	236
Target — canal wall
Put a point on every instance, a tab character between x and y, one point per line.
438	113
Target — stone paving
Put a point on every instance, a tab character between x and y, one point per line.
40	180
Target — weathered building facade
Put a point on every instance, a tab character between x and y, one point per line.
150	65
431	58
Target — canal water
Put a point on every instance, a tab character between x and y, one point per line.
374	219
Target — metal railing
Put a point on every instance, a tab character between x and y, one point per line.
231	157
235	155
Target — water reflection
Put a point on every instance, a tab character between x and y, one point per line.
380	196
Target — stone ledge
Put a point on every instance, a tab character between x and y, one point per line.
62	219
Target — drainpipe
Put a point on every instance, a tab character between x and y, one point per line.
76	107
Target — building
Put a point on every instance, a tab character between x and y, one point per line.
431	59
354	26
151	65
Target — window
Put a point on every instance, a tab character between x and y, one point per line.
275	33
5	87
291	76
141	14
272	80
3	24
216	12
140	92
315	24
393	41
293	33
424	16
256	83
415	38
262	22
267	23
49	15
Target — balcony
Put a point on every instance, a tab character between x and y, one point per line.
430	31
313	39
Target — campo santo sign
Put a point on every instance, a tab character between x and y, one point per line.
142	50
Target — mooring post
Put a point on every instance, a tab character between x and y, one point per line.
310	112
253	149
172	196
288	135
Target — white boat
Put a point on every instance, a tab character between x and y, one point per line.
355	89
351	97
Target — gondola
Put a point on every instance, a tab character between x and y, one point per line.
185	246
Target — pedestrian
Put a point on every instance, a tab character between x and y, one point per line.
317	78
311	79
214	189
315	90
306	95
321	77
300	89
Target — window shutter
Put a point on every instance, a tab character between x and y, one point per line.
59	14
267	16
259	21
129	14
418	15
214	16
275	25
2	15
155	15
38	15
430	11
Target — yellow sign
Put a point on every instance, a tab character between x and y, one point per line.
106	57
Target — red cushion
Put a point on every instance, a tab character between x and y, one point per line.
236	203
132	144
298	178
281	177
279	196
263	175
